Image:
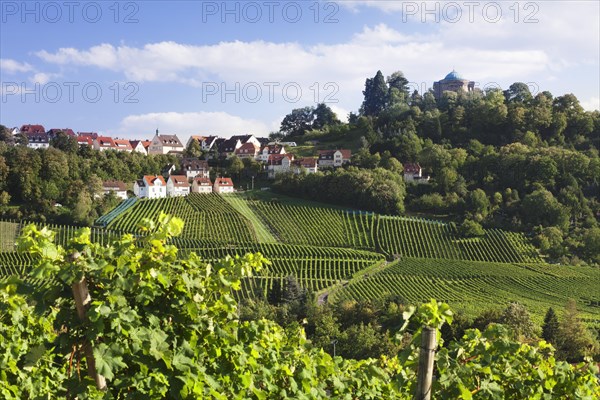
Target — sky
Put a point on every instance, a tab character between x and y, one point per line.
127	68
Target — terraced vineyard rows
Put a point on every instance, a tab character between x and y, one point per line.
316	226
206	216
412	238
477	286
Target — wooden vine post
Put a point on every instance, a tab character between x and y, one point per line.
426	359
82	301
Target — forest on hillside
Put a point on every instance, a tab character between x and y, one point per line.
508	159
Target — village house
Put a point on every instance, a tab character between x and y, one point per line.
178	185
334	158
37	129
247	150
414	173
223	185
202	185
267	151
308	164
165	144
140	146
117	187
279	163
37	140
193	167
122	145
208	142
103	143
91	135
85	141
150	187
229	146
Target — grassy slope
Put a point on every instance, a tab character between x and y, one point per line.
263	233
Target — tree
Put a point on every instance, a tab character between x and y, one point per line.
541	208
375	95
518	92
574	340
518	319
235	166
398	91
64	142
470	228
478	204
324	116
298	121
550	327
6	135
193	149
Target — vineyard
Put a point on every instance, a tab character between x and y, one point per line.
344	253
475	286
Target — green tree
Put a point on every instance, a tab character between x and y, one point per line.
574	340
236	166
193	149
324	116
64	142
375	95
550	328
298	122
518	319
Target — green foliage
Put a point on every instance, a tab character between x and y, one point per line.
470	228
550	327
165	325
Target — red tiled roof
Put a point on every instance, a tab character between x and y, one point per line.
149	179
85	140
224	182
247	148
33	129
412	168
122	144
276	159
93	135
179	180
105	141
309	162
202	181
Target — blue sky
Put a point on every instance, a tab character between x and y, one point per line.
214	67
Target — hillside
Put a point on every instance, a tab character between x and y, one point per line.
343	252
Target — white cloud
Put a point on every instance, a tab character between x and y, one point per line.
11	66
43	77
142	126
591	104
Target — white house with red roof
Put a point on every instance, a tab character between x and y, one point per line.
123	145
178	185
279	163
308	164
334	158
223	185
202	185
271	149
85	141
103	143
247	150
32	129
140	146
414	173
119	188
150	187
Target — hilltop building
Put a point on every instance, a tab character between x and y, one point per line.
452	82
